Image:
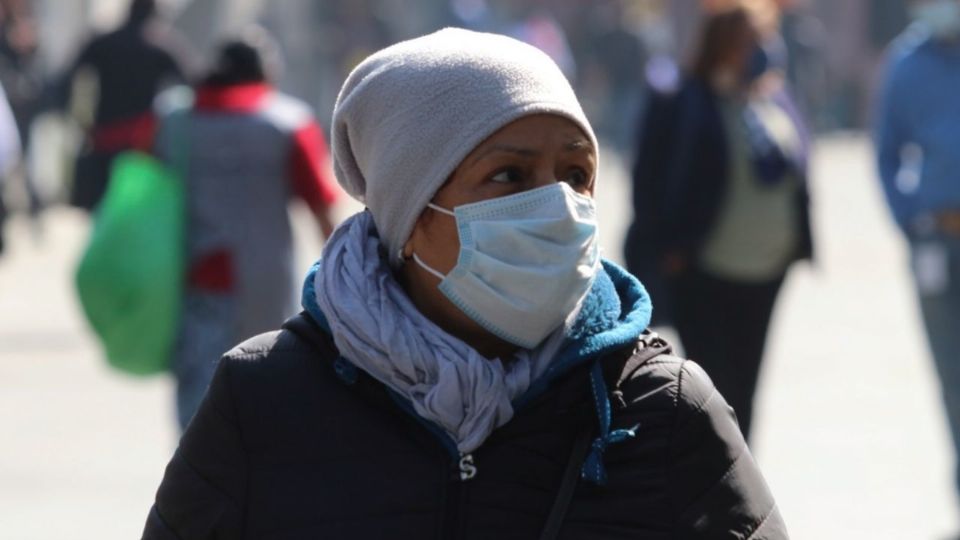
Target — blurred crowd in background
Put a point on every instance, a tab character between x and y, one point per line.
611	49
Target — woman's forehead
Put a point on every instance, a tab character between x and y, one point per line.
527	134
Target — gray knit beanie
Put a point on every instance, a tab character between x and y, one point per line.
408	115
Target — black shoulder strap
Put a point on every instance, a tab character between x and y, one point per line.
568	484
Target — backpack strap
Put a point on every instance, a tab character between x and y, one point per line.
568	484
648	347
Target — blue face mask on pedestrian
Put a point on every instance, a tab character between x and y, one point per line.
526	261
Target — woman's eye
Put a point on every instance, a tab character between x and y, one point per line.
507	176
577	178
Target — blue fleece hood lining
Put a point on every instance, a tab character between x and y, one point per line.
614	314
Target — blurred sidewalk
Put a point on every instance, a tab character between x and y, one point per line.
852	435
849	429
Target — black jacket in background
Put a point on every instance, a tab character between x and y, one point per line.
680	179
290	445
132	65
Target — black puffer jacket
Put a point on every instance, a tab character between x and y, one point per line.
288	445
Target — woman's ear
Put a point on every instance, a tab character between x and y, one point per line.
409	247
416	235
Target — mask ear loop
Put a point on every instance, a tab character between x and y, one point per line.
417	259
424	265
441	209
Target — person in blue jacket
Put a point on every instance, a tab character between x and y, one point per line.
466	364
917	140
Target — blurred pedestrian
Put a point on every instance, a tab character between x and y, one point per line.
466	365
917	137
804	41
617	58
129	67
22	80
10	154
721	203
244	149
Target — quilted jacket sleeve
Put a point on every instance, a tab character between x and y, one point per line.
716	486
202	492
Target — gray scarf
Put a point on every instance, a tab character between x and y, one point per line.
377	327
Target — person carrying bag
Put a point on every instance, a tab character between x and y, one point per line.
130	277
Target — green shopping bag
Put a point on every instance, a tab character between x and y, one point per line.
130	277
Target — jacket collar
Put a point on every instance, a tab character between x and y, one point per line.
231	98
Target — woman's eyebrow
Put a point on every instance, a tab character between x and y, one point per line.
571	146
578	144
506	149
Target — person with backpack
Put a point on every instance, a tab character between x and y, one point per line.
466	365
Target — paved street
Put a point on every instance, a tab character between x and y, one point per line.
850	433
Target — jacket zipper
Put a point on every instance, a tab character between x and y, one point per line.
445	439
468	469
453	505
462	468
465	465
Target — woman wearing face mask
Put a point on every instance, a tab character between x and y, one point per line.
466	366
721	202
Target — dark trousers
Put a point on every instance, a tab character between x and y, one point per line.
723	326
940	306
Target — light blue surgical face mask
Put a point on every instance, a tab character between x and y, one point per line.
526	261
940	17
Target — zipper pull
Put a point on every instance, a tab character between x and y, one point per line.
467	468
